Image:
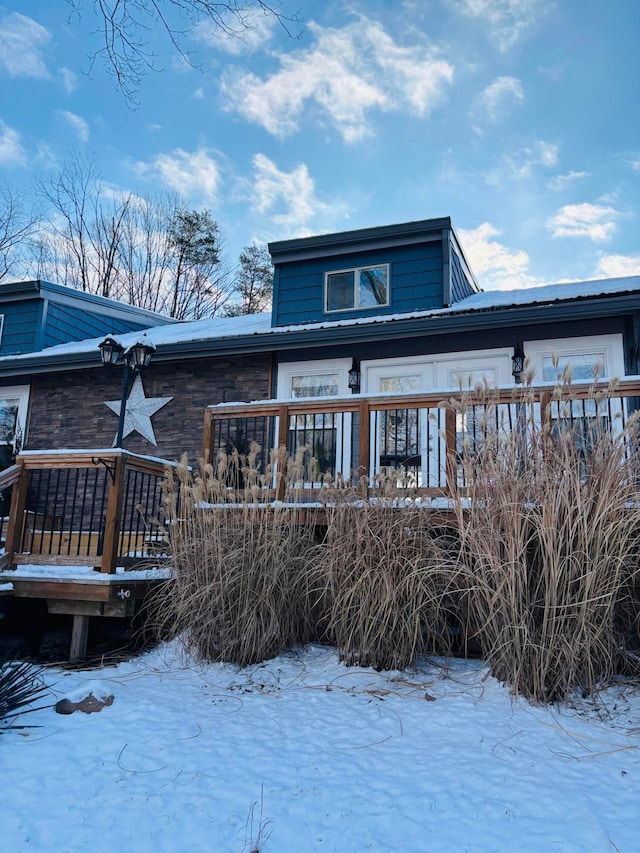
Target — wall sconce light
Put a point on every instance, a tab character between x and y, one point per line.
354	376
517	360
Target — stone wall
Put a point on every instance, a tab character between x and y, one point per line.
67	410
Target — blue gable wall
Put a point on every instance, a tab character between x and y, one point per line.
461	280
65	323
21	325
427	270
39	314
415	283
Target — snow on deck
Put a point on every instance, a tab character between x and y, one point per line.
84	574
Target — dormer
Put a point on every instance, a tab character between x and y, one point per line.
392	269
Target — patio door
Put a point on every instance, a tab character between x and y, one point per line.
403	439
324	437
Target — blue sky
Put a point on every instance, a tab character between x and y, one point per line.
517	118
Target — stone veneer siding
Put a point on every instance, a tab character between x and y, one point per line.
67	410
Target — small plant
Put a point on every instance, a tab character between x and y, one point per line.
20	685
258	829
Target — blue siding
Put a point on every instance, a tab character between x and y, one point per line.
461	287
64	323
415	273
21	324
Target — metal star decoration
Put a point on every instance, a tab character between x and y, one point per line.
138	412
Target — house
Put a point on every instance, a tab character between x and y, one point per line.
35	315
370	329
397	306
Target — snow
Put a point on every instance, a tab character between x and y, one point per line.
250	325
86	574
320	757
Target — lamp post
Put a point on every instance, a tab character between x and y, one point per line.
134	359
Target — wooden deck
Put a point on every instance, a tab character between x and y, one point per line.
77	521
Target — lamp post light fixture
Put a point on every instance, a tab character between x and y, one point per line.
133	359
517	360
354	376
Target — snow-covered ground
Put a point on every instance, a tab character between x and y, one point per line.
313	756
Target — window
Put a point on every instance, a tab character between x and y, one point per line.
363	287
13	412
315	385
583	366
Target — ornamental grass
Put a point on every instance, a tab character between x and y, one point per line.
535	566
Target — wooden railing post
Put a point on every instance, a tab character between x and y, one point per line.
13	541
114	516
283	445
364	443
207	437
450	449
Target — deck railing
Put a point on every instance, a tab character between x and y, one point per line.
101	508
422	435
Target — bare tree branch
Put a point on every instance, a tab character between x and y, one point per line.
126	27
18	225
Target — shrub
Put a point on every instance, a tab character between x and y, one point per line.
549	543
20	685
244	586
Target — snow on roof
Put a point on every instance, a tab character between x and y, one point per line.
491	299
248	325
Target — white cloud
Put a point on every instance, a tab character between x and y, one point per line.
69	80
256	32
11	151
21	42
561	182
496	266
346	73
494	102
198	95
618	266
506	20
77	124
288	198
521	164
583	220
192	175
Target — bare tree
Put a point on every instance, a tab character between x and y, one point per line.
18	225
80	245
125	28
253	282
149	251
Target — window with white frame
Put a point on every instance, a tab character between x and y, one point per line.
360	287
14	401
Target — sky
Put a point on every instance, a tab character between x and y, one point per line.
517	118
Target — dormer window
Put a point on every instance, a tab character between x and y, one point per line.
362	287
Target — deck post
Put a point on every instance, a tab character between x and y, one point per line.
13	541
283	441
114	516
450	449
364	442
207	437
79	636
